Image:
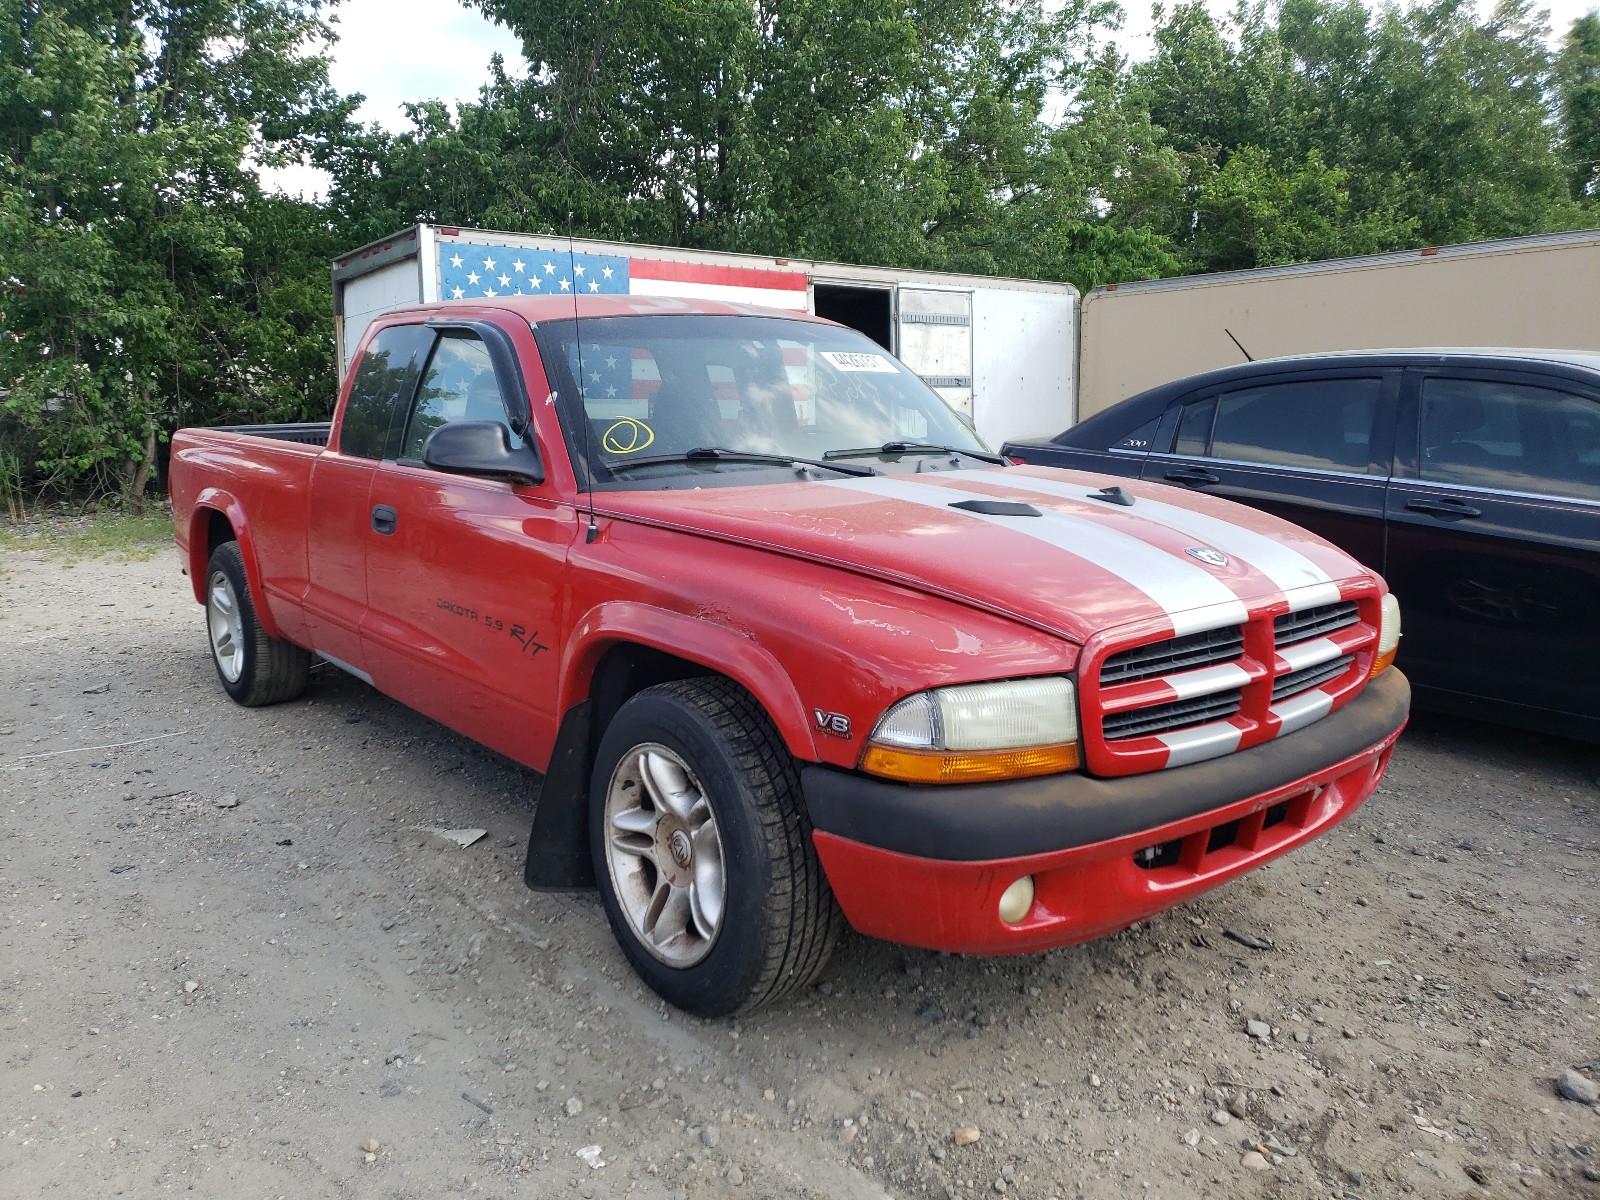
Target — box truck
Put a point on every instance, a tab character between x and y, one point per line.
999	351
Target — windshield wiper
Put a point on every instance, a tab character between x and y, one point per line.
720	454
917	448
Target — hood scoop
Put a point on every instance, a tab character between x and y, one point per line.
997	508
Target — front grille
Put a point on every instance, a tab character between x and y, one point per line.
1179	714
1206	649
1217	678
1307	678
1313	622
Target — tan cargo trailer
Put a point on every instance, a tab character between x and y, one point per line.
1535	291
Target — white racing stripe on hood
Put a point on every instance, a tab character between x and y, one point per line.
1192	598
1306	584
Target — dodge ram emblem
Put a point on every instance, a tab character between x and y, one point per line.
1212	558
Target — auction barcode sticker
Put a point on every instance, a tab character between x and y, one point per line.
851	361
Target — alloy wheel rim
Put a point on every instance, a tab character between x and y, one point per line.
665	855
226	627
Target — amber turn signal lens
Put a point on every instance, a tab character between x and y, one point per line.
1381	664
912	766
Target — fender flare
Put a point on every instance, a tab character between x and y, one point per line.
717	647
558	844
218	500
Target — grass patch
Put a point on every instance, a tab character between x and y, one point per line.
129	538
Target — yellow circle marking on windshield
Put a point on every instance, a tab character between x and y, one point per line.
627	436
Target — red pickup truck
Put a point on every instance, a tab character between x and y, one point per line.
787	642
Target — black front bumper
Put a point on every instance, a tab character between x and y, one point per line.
978	821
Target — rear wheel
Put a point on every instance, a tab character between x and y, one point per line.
703	850
254	667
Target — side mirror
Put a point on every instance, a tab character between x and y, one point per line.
966	419
481	448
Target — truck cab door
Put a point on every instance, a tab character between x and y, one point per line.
465	588
339	525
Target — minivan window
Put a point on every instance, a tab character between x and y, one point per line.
1512	437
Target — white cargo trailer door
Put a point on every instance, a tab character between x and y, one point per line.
1024	340
366	296
935	341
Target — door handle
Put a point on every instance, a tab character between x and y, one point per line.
1193	475
384	519
1441	507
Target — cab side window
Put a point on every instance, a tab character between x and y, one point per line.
460	385
385	378
1316	424
1510	436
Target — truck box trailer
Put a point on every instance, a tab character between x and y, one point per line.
1001	351
1532	291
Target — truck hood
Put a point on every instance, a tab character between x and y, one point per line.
1024	542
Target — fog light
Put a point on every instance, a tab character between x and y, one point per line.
1017	900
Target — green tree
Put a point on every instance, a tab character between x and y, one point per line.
1255	214
1358	131
1578	102
1098	205
905	132
145	282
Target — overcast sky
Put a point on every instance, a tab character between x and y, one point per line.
393	51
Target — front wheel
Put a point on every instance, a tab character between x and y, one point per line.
702	849
253	667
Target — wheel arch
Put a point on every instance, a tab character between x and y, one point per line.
218	517
637	640
617	652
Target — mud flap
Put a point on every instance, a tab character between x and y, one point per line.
558	846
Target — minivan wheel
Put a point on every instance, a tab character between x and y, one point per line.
703	852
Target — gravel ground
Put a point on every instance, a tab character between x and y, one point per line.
236	958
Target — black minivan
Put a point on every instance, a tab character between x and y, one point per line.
1469	478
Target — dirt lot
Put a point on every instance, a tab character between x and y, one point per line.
232	951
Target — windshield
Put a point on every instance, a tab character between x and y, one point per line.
654	387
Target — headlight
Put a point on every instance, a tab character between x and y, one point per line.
1388	636
976	732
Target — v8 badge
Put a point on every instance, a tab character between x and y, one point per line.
836	724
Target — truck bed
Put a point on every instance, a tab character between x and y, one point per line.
263	471
307	433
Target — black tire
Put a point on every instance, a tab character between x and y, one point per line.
779	919
253	667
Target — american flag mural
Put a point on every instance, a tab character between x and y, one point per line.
614	375
619	380
478	270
